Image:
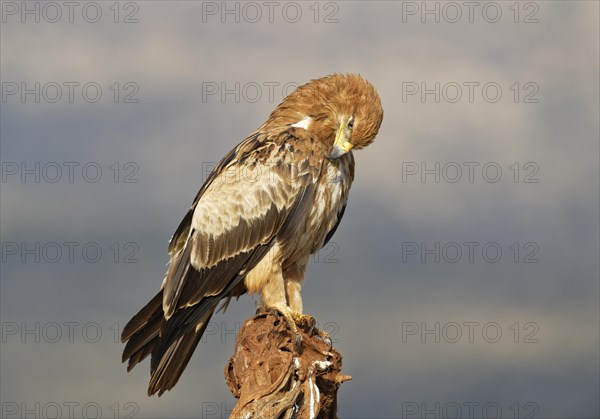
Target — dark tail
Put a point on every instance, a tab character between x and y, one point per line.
170	342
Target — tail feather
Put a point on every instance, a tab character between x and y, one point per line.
169	364
140	355
150	310
142	338
149	333
141	332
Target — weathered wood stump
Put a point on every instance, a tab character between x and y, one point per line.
274	378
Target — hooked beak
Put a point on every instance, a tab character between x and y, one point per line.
341	144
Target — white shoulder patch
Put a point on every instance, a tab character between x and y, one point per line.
304	123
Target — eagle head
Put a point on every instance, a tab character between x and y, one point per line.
341	110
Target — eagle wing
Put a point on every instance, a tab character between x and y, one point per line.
243	205
255	196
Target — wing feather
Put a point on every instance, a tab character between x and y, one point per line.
256	191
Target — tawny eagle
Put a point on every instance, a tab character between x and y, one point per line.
268	205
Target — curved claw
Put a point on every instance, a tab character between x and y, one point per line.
306	321
291	319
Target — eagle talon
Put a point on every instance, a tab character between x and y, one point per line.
306	321
263	311
291	319
296	336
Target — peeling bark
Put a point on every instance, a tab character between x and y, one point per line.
274	378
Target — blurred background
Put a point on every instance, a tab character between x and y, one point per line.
463	280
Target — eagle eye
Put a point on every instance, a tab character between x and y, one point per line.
351	122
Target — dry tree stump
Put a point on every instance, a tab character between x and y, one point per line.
273	378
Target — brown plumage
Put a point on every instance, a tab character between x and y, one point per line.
272	201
